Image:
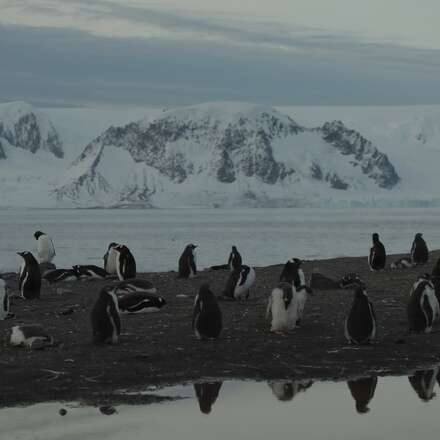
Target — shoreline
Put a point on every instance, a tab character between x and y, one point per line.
160	349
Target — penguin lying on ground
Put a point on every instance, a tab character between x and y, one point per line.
187	262
140	302
106	323
90	271
59	275
134	285
32	336
377	257
29	281
401	263
207	316
419	250
283	307
45	247
239	283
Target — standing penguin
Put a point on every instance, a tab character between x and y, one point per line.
377	257
435	278
282	305
29	280
106	323
125	263
187	262
4	301
419	250
423	306
45	247
234	260
238	286
207	316
110	259
360	326
362	391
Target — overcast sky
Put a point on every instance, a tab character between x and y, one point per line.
171	52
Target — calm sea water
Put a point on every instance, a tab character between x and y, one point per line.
264	236
372	408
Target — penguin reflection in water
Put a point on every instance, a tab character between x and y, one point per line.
29	280
423	383
187	262
207	393
362	391
283	306
4	301
285	390
207	316
106	323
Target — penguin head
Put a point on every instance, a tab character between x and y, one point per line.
107	294
38	234
191	246
296	262
112	245
360	292
375	237
418	236
234	249
205	292
25	255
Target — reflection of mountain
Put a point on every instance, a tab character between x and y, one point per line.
285	390
207	393
362	391
423	383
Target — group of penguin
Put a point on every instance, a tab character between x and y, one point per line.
285	305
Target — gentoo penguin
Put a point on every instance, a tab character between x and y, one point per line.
106	323
187	262
423	383
423	306
32	336
401	263
140	302
239	283
29	281
435	278
45	247
285	390
292	273
350	280
58	275
362	391
234	260
207	393
419	250
90	271
283	306
207	316
134	285
4	301
360	326
377	257
125	263
110	259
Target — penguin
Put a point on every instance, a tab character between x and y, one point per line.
423	306
207	316
32	336
234	260
360	326
292	273
90	271
125	263
134	285
362	391
350	280
419	250
239	283
423	383
187	262
377	257
58	275
207	393
283	306
4	301
285	390
106	323
435	278
110	259
29	281
140	302
402	263
45	247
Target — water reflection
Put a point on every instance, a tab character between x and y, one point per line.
423	383
207	393
285	390
362	391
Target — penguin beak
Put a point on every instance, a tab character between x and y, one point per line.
20	253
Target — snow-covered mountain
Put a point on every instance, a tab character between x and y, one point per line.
219	154
224	154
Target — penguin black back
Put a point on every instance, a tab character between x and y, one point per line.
360	326
377	258
419	250
187	262
291	273
106	323
422	308
29	281
235	260
125	263
207	316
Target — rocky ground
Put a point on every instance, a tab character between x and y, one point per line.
160	348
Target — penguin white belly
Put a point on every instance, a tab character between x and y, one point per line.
301	298
17	336
282	319
242	290
45	249
110	266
